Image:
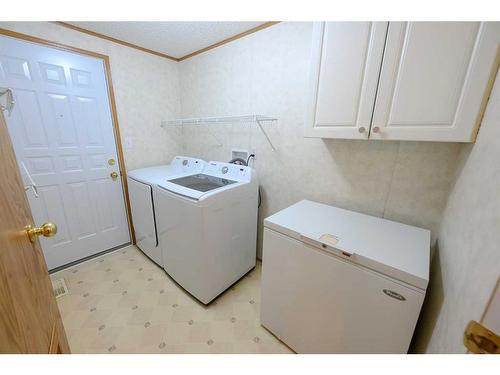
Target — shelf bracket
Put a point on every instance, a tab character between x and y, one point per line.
265	135
219	143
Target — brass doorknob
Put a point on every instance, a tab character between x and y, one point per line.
46	230
114	175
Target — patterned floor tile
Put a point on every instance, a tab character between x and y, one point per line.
123	303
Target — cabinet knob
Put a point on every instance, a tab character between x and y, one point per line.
376	129
361	129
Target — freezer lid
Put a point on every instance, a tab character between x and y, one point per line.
397	250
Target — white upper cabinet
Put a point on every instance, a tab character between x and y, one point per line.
433	80
429	82
345	65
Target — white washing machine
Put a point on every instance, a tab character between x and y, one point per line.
207	227
337	281
141	183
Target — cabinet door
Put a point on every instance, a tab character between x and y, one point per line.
434	80
345	64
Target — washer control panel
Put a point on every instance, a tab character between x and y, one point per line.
228	171
183	164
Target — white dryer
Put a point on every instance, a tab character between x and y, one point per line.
207	227
141	183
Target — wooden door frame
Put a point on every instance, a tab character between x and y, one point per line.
111	97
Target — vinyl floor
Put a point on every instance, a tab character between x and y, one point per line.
122	302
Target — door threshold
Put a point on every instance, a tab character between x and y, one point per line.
86	259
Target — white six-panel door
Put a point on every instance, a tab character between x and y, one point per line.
433	80
345	66
62	132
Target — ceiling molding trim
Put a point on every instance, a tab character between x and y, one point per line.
177	59
114	40
230	39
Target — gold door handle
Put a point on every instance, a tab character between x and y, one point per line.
46	230
114	175
479	339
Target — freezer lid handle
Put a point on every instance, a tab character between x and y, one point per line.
326	242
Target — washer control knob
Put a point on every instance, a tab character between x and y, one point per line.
185	162
224	170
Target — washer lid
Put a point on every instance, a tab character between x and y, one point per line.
198	186
180	165
397	250
202	182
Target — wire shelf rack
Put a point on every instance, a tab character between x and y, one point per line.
258	119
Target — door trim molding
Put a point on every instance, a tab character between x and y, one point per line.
112	102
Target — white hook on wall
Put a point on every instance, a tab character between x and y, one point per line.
9	100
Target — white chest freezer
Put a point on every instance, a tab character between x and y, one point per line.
337	281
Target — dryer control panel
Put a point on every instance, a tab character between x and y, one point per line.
228	171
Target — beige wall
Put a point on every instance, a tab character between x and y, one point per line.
466	265
266	73
146	89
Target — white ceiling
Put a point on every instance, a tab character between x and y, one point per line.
175	39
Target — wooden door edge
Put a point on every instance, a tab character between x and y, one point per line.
52	346
58	341
490	300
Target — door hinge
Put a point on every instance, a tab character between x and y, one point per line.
480	340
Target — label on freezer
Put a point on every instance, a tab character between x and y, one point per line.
394	295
